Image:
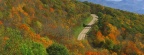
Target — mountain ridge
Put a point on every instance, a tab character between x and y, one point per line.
135	6
51	27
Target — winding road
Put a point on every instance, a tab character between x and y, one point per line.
83	33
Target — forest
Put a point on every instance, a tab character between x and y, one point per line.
120	32
51	27
41	27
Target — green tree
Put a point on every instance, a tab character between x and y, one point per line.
1	15
57	49
15	44
32	48
109	44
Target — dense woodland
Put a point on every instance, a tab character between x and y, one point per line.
40	27
118	32
50	27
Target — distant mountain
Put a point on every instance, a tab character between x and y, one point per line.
135	6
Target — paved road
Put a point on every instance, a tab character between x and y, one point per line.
82	35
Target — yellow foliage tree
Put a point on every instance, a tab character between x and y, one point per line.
114	32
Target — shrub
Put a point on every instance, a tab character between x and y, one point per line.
57	49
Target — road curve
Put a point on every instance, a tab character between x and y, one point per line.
82	35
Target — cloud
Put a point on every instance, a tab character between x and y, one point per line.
114	0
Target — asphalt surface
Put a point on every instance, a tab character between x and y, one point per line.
82	35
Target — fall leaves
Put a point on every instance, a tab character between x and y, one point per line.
35	37
113	34
111	42
1	22
39	20
51	10
24	27
104	52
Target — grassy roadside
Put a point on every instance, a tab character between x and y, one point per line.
78	29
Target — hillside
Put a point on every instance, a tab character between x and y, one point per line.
51	27
116	32
32	26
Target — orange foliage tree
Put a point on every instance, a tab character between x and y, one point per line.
96	53
131	48
1	22
51	9
24	27
99	36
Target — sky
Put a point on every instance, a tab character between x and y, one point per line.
136	6
114	0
